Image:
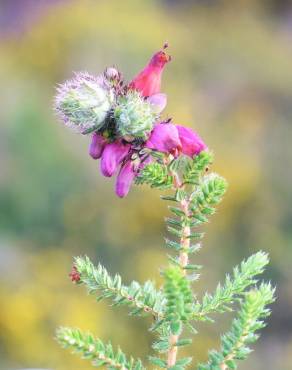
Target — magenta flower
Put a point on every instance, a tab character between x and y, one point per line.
97	145
148	81
125	178
129	170
167	138
125	129
191	142
175	139
112	156
164	138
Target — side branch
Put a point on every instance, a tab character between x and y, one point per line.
95	350
224	295
142	299
234	344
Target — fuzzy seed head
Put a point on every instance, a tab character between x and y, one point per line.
134	116
83	103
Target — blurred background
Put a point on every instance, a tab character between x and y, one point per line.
230	79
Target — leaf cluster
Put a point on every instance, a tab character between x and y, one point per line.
156	175
95	350
243	276
196	167
179	298
141	299
243	332
174	307
208	194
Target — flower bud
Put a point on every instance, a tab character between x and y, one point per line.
164	138
96	147
113	154
111	73
134	116
83	103
125	179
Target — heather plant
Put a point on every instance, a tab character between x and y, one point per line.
131	140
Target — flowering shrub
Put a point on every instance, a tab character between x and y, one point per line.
131	140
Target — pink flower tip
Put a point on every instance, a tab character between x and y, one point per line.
97	145
164	138
191	142
148	81
159	59
175	139
125	178
112	156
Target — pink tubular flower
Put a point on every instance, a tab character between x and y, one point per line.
125	178
129	170
113	154
191	142
148	81
164	138
173	139
96	146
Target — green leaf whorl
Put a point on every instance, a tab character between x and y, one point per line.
134	116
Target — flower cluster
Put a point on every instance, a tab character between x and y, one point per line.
124	120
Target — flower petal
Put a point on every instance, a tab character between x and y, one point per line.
158	101
148	81
113	154
191	142
96	146
164	138
125	179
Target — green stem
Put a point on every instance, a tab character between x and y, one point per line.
184	260
237	345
